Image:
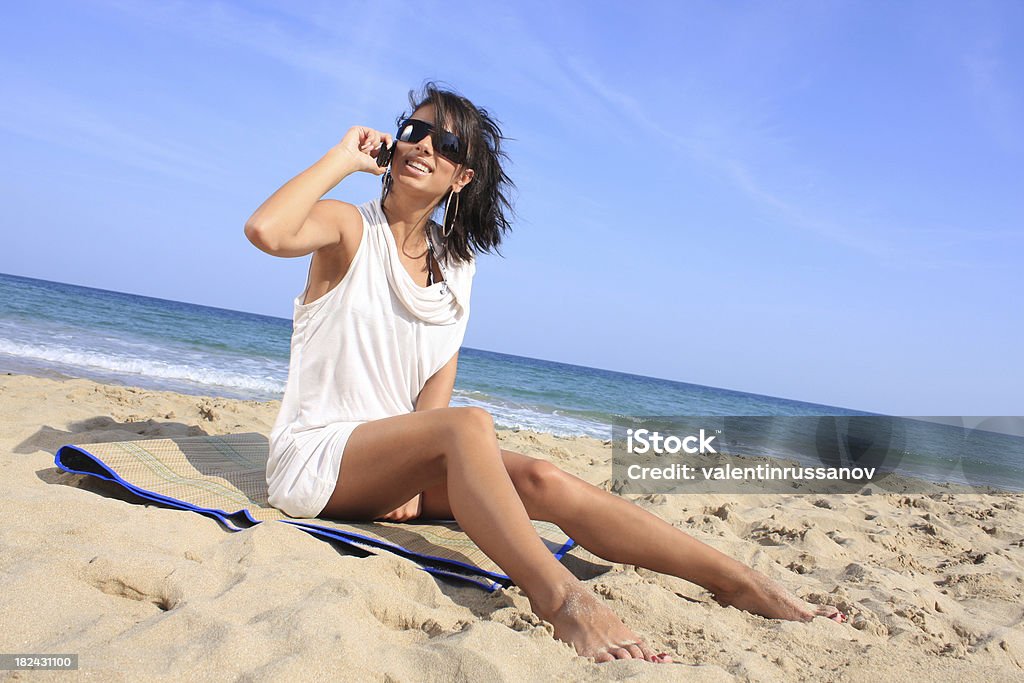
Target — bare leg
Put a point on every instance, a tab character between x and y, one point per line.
388	461
619	531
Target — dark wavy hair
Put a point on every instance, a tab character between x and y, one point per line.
484	205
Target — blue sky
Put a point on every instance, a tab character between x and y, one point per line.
820	201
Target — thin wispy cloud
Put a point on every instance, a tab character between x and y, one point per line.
50	114
703	149
707	149
347	54
998	104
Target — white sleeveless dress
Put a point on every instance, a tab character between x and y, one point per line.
361	352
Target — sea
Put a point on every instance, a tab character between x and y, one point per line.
60	330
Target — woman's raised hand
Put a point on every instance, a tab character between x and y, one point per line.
361	145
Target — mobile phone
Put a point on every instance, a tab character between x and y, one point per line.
384	154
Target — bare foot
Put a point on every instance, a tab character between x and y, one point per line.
763	596
592	628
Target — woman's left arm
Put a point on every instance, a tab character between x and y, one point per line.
437	392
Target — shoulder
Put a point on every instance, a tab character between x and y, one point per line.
462	269
470	263
336	211
342	216
467	267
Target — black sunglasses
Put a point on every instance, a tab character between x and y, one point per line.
446	144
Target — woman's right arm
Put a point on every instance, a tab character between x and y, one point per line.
294	221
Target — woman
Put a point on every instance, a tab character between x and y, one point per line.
365	431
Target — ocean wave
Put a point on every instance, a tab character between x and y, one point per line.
146	367
512	416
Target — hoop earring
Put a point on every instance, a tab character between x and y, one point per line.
385	182
449	225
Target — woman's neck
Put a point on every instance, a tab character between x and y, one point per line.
407	219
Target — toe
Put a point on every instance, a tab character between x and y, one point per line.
647	653
635	651
603	656
620	653
827	611
831	612
650	655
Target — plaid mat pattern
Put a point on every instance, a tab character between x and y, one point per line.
224	477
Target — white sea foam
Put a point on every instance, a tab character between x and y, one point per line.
146	367
515	416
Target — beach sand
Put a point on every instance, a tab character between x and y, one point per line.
933	583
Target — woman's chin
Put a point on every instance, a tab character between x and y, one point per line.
416	187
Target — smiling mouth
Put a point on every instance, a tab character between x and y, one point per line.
418	166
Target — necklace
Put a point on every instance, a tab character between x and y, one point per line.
430	271
430	245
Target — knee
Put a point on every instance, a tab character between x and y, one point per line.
470	420
466	433
542	483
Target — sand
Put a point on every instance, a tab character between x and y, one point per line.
933	583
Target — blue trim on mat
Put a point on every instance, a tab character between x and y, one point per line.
335	535
346	537
220	515
385	544
489	587
565	548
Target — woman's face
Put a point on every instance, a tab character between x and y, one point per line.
417	168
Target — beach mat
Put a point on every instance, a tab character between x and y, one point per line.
224	477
